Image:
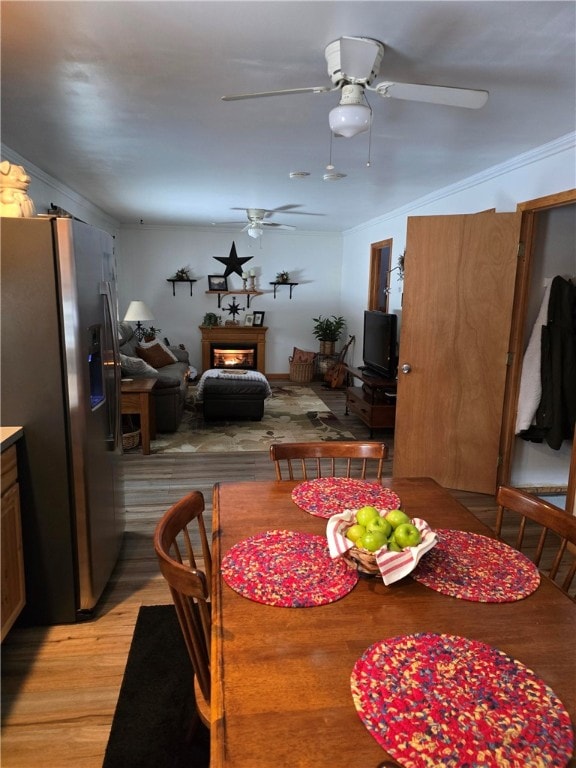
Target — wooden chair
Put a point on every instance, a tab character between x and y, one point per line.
174	538
338	458
554	528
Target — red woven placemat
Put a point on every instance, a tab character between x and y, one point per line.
474	567
441	700
327	496
288	569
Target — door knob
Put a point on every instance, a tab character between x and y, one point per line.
406	368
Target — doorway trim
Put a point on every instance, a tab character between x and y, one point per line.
530	209
379	278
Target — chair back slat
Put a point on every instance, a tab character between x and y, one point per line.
174	542
339	458
554	551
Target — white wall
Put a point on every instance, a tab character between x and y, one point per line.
151	254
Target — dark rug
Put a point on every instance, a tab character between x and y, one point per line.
151	726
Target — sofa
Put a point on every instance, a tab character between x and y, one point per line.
170	366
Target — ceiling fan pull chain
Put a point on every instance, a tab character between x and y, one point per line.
330	167
369	134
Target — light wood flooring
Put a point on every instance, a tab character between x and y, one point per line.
60	684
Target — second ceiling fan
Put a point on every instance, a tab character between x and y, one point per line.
257	224
353	64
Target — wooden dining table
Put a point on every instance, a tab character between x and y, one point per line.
281	693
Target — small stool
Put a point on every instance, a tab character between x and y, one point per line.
234	399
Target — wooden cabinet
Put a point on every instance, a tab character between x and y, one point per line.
13	592
374	402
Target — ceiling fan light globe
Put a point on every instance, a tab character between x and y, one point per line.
255	230
349	120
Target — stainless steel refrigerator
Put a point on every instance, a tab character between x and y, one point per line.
60	380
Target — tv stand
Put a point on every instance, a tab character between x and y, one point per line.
374	402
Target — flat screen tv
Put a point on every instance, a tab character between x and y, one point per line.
380	343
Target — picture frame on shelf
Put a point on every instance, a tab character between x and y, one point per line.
249	319
217	283
258	319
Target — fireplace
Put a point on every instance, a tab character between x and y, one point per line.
237	355
239	340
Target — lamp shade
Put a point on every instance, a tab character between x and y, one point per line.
137	312
350	119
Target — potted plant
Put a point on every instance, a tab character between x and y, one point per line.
149	334
182	274
283	277
328	330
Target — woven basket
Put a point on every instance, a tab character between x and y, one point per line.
364	561
130	440
301	372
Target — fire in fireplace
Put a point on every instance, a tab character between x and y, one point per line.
233	356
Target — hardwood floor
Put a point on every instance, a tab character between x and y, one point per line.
60	684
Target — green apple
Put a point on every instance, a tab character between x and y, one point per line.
355	532
379	524
393	545
396	517
372	541
365	514
407	535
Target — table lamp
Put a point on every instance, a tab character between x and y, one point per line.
137	313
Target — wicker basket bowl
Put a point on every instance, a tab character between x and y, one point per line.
130	440
363	560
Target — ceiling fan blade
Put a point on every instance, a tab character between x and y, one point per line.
433	94
268	224
360	58
288	92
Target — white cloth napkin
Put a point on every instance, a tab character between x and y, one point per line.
393	565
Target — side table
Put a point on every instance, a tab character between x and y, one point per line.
136	400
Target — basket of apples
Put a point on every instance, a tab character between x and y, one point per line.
383	543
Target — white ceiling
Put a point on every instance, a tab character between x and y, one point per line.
121	102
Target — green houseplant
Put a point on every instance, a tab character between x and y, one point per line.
328	330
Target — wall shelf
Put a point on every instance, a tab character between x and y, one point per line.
276	284
248	294
174	281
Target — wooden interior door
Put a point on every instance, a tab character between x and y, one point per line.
458	297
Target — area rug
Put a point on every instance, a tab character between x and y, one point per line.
292	414
151	726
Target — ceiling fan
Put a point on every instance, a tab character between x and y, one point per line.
353	64
256	223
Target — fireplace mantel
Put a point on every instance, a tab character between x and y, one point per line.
223	334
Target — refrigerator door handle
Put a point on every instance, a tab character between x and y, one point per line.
110	335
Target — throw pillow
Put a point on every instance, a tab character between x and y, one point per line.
300	356
154	342
130	365
155	355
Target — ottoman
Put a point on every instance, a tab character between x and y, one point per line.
234	397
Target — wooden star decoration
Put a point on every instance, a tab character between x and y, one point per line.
233	308
233	263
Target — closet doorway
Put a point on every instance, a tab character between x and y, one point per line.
547	241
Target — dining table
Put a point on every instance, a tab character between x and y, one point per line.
281	691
